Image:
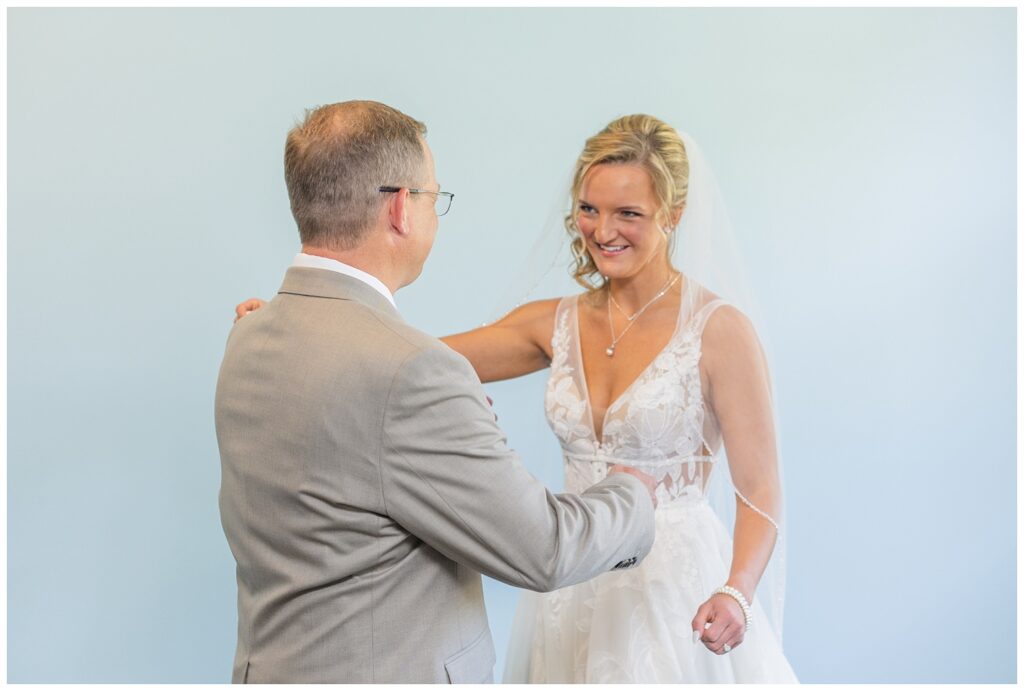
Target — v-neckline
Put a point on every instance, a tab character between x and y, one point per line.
583	372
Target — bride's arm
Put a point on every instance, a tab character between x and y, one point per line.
517	344
739	394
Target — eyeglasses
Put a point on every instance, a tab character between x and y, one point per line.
442	200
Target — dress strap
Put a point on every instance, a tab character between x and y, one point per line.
564	305
699	320
561	334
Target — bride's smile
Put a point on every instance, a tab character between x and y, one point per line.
617	216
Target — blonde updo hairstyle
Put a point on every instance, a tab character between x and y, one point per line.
641	140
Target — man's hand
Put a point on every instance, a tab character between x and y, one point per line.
250	305
648	481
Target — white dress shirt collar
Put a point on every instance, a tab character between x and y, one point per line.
309	261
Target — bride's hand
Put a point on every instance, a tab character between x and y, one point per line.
649	482
719	622
250	305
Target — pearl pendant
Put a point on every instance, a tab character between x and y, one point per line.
609	351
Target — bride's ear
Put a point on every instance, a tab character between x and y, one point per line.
676	215
398	211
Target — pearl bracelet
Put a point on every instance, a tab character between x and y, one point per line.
738	596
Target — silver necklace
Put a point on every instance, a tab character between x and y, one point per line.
619	308
610	350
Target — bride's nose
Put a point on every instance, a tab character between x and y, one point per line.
603	230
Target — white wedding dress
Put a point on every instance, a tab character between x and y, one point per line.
633	625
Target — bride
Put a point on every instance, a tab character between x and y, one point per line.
649	368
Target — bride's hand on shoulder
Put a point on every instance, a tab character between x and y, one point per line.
719	622
244	308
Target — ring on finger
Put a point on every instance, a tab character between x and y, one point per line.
726	648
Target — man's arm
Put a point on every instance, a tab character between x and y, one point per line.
449	478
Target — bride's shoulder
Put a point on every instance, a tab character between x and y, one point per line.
729	334
728	319
538	317
728	325
536	310
533	321
531	317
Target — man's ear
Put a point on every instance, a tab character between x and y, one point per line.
398	211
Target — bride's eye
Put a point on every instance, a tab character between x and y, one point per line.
631	214
586	208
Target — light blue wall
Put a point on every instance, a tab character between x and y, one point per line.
869	159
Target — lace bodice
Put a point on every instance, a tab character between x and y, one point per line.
659	424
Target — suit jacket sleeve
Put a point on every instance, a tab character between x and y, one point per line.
448	477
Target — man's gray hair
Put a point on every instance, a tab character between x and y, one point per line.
335	160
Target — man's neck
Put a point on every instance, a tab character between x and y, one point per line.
363	258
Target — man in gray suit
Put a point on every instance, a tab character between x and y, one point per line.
365	483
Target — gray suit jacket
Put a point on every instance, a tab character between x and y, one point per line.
365	487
